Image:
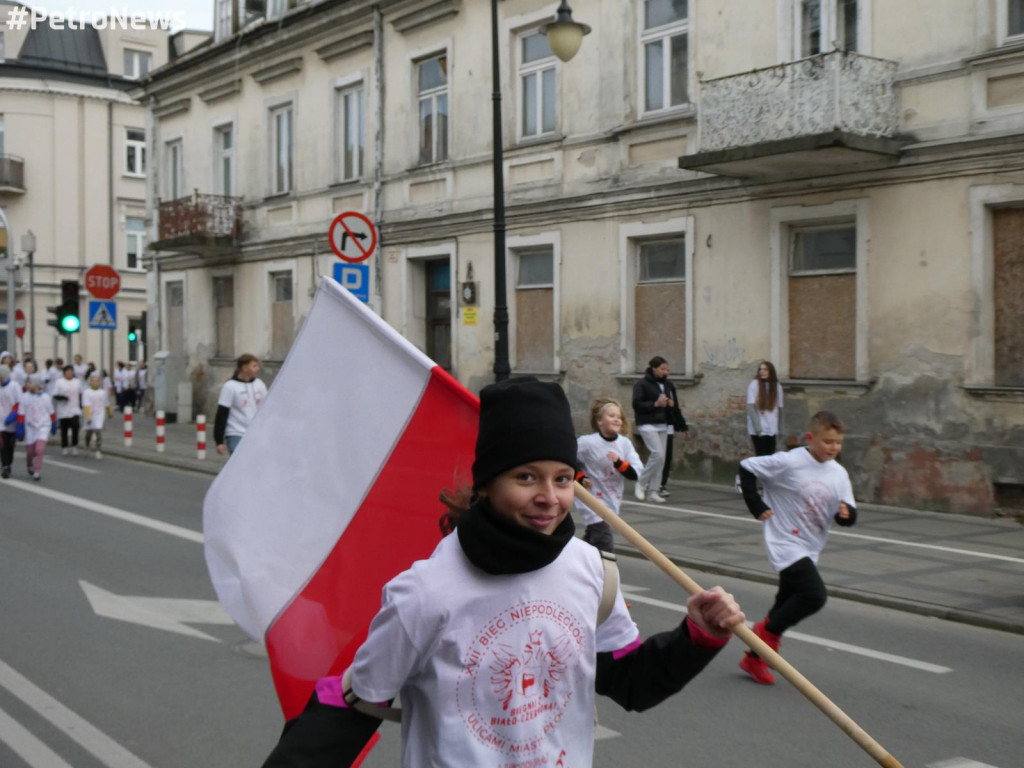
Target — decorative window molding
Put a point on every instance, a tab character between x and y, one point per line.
221	91
420	13
278	70
355	40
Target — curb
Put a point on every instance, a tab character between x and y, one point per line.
188	465
868	598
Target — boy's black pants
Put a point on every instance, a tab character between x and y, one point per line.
71	425
7	441
801	594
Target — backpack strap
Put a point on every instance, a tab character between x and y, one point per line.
608	593
610	588
367	708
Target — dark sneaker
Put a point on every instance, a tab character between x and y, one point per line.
663	491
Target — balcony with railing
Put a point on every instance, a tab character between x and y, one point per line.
206	225
12	175
831	113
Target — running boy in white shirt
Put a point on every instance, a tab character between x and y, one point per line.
95	402
36	422
805	490
605	457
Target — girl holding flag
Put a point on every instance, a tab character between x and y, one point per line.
495	642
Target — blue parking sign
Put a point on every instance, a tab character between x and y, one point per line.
356	278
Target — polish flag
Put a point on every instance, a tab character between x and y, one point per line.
334	489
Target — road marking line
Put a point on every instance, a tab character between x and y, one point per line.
79	730
64	465
104	509
959	762
26	746
847	534
600	732
835	645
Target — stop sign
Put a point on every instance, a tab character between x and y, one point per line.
19	323
102	281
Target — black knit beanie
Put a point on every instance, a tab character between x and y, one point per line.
522	420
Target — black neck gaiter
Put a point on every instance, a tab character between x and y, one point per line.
499	546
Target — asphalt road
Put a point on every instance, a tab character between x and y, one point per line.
112	653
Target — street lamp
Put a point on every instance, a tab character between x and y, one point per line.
564	36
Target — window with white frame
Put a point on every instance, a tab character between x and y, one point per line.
136	63
135	152
350	121
1014	18
282	317
282	147
537	86
665	46
432	85
276	8
535	308
175	183
825	25
822	300
224	159
659	299
134	241
222	19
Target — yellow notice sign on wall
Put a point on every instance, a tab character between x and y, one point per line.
469	315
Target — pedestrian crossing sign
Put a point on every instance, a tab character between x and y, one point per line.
103	315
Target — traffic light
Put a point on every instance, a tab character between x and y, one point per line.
67	320
132	335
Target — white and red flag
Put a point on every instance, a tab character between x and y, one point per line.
334	489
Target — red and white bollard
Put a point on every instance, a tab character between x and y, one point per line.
201	436
127	426
160	421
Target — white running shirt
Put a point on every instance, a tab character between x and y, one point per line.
606	480
804	496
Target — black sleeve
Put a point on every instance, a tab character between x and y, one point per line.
657	669
748	484
852	520
640	405
629	472
322	737
220	423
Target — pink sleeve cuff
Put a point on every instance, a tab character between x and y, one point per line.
628	649
328	691
702	639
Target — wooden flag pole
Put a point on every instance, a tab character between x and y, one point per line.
756	644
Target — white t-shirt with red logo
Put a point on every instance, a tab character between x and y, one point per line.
804	496
606	481
494	671
242	398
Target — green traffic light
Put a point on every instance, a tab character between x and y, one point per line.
132	336
70	323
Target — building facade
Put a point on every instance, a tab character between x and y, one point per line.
72	173
832	185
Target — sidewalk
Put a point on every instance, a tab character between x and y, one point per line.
954	567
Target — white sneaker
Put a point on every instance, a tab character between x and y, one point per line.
63	451
639	492
98	455
654	497
74	451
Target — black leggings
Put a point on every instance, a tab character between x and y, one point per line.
764	445
72	424
7	441
801	594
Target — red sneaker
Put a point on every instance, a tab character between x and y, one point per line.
756	667
772	641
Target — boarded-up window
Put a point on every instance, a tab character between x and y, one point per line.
1008	296
439	312
660	301
224	315
535	309
823	302
282	317
174	295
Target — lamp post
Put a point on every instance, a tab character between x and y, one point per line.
564	36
